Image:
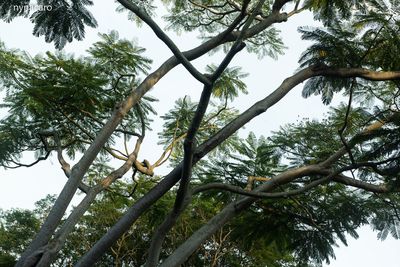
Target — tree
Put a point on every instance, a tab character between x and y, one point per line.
305	175
17	227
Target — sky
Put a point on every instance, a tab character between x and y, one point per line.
22	187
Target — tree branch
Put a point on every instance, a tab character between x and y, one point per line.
278	4
101	123
180	255
18	164
346	121
65	165
163	37
257	194
358	72
380	189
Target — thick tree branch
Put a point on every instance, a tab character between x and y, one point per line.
381	188
163	229
189	146
358	72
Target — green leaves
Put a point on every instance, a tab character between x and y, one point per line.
13	8
17	227
325	86
64	22
351	39
71	96
385	218
307	142
177	121
209	17
145	5
254	157
118	57
229	84
334	46
247	157
59	21
333	11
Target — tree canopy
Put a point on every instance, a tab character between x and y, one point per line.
283	199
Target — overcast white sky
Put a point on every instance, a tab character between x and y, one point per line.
22	187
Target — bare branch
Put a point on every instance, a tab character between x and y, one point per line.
381	188
234	189
102	123
167	152
18	164
296	11
65	166
346	120
163	37
211	9
359	72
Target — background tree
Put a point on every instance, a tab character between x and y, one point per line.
313	181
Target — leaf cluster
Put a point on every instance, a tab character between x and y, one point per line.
58	21
71	97
177	121
351	38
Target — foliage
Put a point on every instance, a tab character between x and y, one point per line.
69	96
59	21
208	17
177	120
17	228
57	102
